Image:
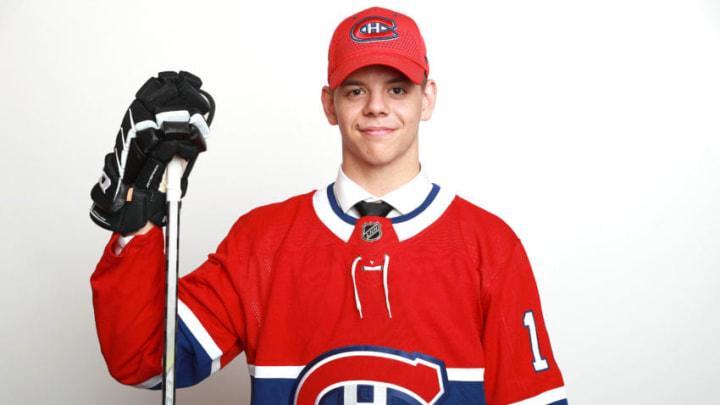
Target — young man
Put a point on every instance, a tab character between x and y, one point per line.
381	288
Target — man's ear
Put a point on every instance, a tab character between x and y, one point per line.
428	102
328	102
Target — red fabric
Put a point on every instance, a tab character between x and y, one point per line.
129	300
280	288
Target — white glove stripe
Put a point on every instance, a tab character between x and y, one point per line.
123	157
172	116
199	122
145	125
124	153
126	142
120	170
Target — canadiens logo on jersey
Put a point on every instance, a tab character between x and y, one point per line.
371	231
364	375
374	29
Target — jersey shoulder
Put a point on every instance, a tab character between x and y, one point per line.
482	221
486	235
266	225
277	213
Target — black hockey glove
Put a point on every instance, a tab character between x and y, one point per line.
167	118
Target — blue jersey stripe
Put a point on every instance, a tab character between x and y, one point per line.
396	220
271	390
192	363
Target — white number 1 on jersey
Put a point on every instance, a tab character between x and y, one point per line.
539	363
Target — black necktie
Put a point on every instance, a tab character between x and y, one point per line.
377	209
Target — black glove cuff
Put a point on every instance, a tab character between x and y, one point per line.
146	205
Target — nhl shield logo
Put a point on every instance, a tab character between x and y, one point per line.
374	28
371	231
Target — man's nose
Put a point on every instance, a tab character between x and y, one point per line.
376	104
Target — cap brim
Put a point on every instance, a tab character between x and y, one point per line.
411	69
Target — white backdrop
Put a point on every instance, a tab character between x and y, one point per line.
591	127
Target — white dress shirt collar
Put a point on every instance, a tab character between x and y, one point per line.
403	199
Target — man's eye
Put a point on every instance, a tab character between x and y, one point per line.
355	92
398	90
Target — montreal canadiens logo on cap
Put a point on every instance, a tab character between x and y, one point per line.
374	28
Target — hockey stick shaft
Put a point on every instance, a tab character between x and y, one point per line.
172	242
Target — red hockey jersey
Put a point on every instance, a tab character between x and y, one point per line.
437	306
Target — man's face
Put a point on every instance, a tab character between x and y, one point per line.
378	110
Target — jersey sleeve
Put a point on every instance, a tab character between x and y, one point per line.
520	367
129	303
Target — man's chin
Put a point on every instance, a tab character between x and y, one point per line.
379	161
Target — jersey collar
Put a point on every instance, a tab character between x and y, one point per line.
420	204
403	199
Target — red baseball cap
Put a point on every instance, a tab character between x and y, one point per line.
377	36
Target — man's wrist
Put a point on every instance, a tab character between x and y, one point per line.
124	239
